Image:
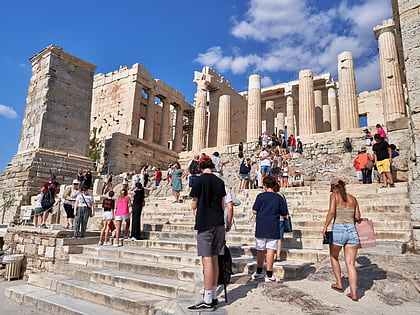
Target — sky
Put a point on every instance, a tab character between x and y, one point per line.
172	39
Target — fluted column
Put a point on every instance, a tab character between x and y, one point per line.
326	118
149	122
199	129
349	110
280	122
392	89
223	135
164	123
253	130
306	103
290	119
318	111
269	117
332	101
179	128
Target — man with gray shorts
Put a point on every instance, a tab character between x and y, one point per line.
208	194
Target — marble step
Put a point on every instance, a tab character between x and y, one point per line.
54	303
283	269
169	271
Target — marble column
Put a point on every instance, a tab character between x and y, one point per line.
318	111
199	128
306	103
332	101
213	117
269	117
392	88
223	135
326	117
164	123
349	110
290	119
254	108
280	122
179	128
149	121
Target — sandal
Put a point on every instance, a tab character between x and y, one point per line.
353	299
336	288
382	187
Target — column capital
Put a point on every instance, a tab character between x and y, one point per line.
289	90
386	26
202	84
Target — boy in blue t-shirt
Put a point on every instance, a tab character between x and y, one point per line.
268	207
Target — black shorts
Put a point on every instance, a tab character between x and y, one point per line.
211	242
69	211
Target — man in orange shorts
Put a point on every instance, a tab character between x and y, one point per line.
383	158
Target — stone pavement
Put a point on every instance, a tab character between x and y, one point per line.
8	307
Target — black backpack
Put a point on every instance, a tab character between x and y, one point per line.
243	169
47	201
194	167
225	267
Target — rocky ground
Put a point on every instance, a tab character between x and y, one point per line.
386	285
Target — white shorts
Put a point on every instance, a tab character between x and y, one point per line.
122	217
264	243
359	175
107	215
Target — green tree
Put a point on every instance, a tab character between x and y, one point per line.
95	145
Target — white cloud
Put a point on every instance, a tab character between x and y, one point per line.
266	81
8	112
292	35
368	76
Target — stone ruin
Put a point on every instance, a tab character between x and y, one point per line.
142	120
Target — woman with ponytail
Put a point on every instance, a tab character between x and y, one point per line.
344	210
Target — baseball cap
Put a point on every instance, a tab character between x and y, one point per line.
52	176
76	182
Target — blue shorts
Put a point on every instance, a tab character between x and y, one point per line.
281	230
345	234
244	176
265	169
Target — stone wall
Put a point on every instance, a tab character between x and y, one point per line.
43	247
125	153
407	13
370	104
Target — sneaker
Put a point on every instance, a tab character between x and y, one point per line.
100	243
201	307
392	185
214	302
43	226
271	279
116	245
132	239
107	244
257	276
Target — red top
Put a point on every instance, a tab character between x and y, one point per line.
292	141
203	158
158	175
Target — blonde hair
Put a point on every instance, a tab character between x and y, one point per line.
122	194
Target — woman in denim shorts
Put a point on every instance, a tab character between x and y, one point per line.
344	209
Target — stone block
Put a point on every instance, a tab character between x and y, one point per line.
45	242
41	250
31	249
50	252
397	124
20	248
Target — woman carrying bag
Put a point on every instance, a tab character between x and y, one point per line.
344	209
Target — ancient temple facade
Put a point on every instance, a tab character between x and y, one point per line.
140	119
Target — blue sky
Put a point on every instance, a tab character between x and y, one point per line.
172	39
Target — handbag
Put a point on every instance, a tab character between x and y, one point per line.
364	229
111	226
288	225
328	239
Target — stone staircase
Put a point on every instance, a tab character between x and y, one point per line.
162	274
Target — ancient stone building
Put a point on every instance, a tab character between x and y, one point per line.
150	117
407	17
55	130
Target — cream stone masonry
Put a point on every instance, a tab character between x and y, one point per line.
280	122
332	101
254	108
207	102
223	137
326	118
179	122
164	125
269	117
392	88
349	112
406	13
370	105
306	103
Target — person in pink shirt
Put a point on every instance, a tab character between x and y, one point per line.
122	213
380	131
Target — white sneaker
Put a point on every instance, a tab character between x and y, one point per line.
257	276
271	279
100	243
107	243
116	245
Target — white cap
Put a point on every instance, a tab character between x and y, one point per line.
76	182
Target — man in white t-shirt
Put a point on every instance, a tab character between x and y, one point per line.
217	161
265	161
